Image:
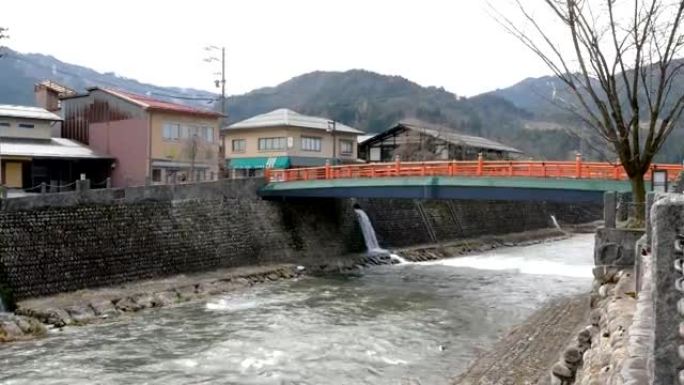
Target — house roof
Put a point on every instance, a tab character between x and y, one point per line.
48	148
26	112
149	103
287	117
448	134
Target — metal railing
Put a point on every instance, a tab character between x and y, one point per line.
577	169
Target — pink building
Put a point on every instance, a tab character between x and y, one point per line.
153	141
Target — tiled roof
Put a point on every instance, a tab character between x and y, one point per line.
147	102
451	136
27	112
287	117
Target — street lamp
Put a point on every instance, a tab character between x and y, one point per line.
331	128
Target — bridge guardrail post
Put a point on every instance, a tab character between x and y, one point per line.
397	164
578	165
480	164
327	170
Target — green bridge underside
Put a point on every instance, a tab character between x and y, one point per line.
480	188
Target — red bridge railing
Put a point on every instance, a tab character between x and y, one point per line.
577	169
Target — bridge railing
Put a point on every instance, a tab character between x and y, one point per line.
577	169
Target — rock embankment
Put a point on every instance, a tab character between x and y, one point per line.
599	353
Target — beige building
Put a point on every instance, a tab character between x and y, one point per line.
286	139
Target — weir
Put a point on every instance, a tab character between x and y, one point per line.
372	245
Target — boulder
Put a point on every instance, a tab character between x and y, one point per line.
103	308
81	314
57	317
145	301
164	298
127	304
561	370
30	326
10	331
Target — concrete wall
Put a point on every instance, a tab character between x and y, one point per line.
127	141
407	222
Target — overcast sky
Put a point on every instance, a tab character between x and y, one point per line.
449	43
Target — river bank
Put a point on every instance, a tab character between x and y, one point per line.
102	304
411	323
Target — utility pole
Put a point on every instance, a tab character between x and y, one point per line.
331	127
220	83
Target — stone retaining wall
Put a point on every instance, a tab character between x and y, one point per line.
63	242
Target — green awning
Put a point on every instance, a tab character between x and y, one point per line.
259	162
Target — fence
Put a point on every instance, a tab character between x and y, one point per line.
577	169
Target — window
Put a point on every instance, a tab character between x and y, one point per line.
311	143
346	147
5	124
270	144
239	145
26	125
156	175
208	133
171	131
190	131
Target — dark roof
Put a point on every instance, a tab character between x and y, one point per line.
149	103
446	133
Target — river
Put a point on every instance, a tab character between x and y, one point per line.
409	323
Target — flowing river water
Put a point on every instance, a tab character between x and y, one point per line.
419	322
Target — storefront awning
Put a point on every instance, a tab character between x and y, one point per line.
259	162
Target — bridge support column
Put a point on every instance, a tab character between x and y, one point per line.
609	209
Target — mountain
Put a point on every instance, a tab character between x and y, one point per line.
521	115
19	72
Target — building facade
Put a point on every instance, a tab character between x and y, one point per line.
418	141
286	139
31	156
153	141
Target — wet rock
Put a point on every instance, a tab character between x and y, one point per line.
103	308
144	301
10	331
127	305
561	370
273	277
57	317
81	314
30	326
572	356
164	298
186	293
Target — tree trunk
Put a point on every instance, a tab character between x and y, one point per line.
639	198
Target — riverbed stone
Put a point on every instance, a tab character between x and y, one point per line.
103	308
561	370
143	300
81	314
164	298
10	331
127	304
57	317
572	356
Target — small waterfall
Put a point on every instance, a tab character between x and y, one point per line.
555	222
372	245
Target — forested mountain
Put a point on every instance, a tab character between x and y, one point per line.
521	115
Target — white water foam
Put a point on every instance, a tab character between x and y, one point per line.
399	258
565	258
519	264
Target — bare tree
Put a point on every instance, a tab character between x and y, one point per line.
621	67
3	35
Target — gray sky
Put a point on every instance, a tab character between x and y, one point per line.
449	43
